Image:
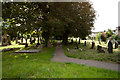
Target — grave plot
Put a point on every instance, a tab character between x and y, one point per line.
9	49
27	51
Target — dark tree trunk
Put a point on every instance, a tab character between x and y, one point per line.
79	41
30	39
76	44
65	39
22	39
46	42
26	43
38	40
71	41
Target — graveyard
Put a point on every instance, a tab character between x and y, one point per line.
84	52
41	41
39	65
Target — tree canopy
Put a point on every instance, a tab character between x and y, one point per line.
53	18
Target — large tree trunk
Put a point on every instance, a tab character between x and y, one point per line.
65	39
79	41
76	44
22	39
38	40
46	42
26	43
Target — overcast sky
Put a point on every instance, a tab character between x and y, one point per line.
108	14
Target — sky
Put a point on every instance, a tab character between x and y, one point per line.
107	14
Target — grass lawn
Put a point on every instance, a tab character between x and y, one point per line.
91	54
39	66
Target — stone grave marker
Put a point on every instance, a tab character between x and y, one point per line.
99	49
110	47
85	43
93	45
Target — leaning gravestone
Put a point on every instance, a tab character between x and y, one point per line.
99	49
110	47
93	45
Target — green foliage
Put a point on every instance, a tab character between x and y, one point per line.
109	33
74	18
98	36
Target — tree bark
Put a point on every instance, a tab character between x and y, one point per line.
79	41
22	39
65	39
26	43
38	40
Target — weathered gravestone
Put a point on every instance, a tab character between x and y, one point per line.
116	44
85	43
6	40
99	49
110	47
76	45
93	45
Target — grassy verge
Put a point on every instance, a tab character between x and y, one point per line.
39	66
91	54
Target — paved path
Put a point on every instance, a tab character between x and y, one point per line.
59	56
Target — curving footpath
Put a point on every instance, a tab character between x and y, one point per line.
59	56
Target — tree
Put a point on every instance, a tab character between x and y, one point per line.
67	19
98	36
109	33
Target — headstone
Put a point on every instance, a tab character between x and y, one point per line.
6	40
116	44
99	49
93	45
16	40
110	47
85	43
79	41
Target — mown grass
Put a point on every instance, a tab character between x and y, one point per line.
39	65
91	54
